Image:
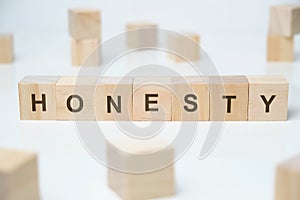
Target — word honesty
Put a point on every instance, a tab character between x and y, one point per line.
191	98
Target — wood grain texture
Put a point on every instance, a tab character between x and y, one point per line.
75	97
187	91
268	86
221	88
85	23
117	88
18	175
288	180
141	34
284	20
156	184
6	48
280	48
85	52
38	86
186	47
158	92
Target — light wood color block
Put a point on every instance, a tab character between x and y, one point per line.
268	98
131	155
113	99
152	99
284	20
85	52
6	48
228	98
280	48
75	97
186	47
190	101
141	34
18	175
37	97
84	24
288	180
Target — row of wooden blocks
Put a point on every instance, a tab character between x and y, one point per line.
283	25
190	98
6	48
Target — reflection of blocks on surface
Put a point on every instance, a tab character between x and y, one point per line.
37	98
152	99
284	20
132	155
141	34
84	23
85	52
288	180
18	175
268	98
6	48
280	48
113	98
75	99
190	101
228	98
185	48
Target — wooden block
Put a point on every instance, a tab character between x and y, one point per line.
85	52
288	180
190	101
113	99
185	47
268	98
136	186
84	23
75	97
228	98
284	20
141	34
152	99
280	48
18	175
6	48
37	97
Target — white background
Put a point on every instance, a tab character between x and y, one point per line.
233	32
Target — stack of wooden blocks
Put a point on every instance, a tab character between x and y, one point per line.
6	48
18	175
230	98
85	30
284	24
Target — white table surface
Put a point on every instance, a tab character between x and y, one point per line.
240	167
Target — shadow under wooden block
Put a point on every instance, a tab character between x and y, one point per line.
18	175
190	100
268	98
141	34
280	48
186	47
75	97
284	20
288	180
85	52
228	98
153	157
84	23
113	99
37	97
6	48
152	99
